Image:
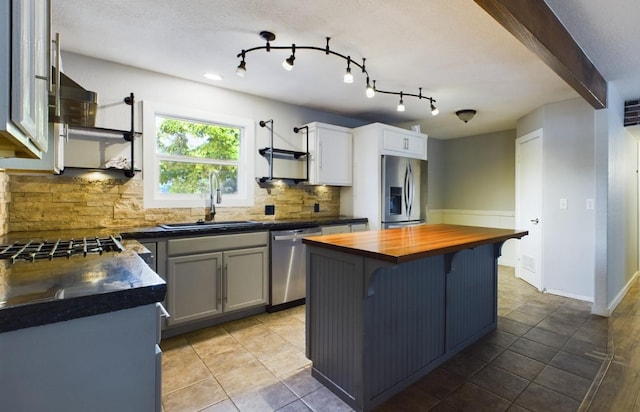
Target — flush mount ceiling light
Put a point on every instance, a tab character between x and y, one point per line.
466	114
212	76
287	64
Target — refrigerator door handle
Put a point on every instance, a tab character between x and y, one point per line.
408	189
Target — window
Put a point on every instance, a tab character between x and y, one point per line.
183	148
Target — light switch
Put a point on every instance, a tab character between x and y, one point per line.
563	203
590	204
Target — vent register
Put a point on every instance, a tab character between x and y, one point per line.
36	250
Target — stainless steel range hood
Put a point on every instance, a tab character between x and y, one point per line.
77	105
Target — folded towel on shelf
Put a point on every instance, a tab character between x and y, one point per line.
118	163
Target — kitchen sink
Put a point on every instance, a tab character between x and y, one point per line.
201	224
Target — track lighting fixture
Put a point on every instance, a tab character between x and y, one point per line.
401	104
242	67
288	63
348	77
434	110
370	90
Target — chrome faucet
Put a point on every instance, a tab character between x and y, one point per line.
218	196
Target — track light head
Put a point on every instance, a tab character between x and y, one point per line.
288	63
401	104
242	69
434	110
348	77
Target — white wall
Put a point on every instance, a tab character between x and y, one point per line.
621	219
472	182
568	173
114	81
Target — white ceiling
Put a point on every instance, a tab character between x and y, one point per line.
451	48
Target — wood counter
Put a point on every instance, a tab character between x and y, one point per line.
384	308
416	242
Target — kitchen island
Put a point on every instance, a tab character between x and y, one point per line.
384	308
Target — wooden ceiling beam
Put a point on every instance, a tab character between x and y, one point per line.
534	24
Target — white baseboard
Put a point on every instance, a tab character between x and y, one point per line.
569	295
616	301
500	219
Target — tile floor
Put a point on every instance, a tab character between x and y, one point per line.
544	356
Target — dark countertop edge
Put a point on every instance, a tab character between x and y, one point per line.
159	232
44	313
414	256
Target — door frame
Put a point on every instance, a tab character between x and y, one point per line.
538	133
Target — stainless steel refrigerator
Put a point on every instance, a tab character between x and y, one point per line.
401	186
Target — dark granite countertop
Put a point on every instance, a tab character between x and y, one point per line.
44	292
250	226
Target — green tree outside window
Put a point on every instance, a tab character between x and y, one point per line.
189	151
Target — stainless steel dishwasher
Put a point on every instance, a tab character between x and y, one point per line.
288	269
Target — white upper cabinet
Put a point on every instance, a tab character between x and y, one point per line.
404	143
24	80
331	154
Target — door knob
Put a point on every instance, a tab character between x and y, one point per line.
535	221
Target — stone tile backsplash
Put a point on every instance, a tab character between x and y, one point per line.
43	202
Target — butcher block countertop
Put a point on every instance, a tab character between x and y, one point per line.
416	242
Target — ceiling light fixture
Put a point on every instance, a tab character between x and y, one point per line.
370	90
348	77
242	67
288	63
213	76
401	104
466	114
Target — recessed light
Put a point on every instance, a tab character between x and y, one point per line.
213	76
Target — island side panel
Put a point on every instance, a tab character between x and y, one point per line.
374	328
335	290
404	317
472	287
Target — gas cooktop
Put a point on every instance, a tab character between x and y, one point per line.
33	250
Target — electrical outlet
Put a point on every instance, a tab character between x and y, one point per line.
316	207
590	204
563	203
269	209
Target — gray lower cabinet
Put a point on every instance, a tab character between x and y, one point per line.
103	363
348	228
194	286
212	275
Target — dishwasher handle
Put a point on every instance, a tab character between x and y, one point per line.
295	236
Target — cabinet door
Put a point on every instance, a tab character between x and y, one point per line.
246	278
332	160
194	287
404	144
359	227
30	69
331	230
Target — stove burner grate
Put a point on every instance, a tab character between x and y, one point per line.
32	250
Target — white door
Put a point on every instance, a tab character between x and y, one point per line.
529	208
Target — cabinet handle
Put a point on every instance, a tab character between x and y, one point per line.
58	64
226	283
219	294
320	155
163	312
406	143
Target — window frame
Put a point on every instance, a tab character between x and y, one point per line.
153	198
